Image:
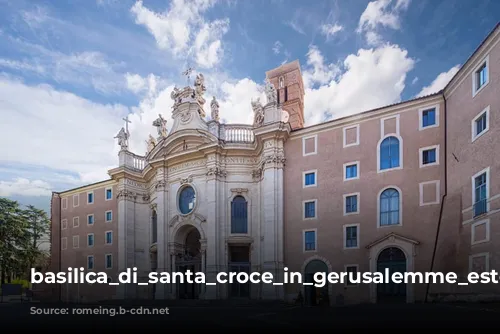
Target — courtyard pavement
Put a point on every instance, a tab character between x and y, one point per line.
261	316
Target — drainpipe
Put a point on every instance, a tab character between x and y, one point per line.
442	198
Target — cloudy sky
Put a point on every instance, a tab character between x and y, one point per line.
70	73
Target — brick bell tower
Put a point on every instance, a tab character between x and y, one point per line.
287	79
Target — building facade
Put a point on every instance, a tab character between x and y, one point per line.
407	187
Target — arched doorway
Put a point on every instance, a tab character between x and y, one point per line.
314	295
393	260
189	258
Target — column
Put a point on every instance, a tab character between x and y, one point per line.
162	238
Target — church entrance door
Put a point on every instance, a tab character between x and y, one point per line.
189	260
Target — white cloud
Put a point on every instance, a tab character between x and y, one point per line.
329	30
58	130
440	82
25	187
372	78
381	14
183	31
277	47
88	68
414	81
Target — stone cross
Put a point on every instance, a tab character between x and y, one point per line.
126	123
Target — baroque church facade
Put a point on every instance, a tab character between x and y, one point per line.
403	188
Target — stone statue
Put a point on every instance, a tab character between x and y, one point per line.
175	94
123	138
199	87
258	111
161	126
214	105
151	143
271	94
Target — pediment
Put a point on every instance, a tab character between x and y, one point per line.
392	237
181	141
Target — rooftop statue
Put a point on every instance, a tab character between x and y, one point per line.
161	126
214	105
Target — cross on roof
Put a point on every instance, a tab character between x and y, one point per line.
126	122
187	73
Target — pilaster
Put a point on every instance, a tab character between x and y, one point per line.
162	235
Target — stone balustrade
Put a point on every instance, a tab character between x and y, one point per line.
238	133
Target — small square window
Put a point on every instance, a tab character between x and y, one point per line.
109	194
109	261
309	179
351	236
309	241
429	156
76	241
64	224
109	216
481	76
90	198
480	124
109	238
90	262
90	240
76	200
310	209
351	172
76	221
90	219
64	203
351	204
428	117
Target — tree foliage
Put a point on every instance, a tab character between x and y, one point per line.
21	231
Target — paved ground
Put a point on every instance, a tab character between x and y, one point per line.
257	316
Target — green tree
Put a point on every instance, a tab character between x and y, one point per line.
38	224
14	239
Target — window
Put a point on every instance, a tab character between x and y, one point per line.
239	215
76	200
109	237
351	136
76	241
429	156
90	239
187	200
480	124
351	171
64	203
90	197
480	232
310	209
309	178
309	240
109	194
352	275
90	262
76	221
309	145
64	243
389	207
351	236
428	117
351	204
109	216
389	153
90	219
109	261
154	227
480	193
480	77
64	224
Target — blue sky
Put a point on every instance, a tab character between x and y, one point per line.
70	72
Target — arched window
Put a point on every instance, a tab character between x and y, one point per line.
389	153
154	227
239	215
389	207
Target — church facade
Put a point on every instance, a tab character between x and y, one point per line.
403	188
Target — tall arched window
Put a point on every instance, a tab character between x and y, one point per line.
389	153
154	227
239	215
389	207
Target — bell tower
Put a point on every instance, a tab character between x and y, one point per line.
287	79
